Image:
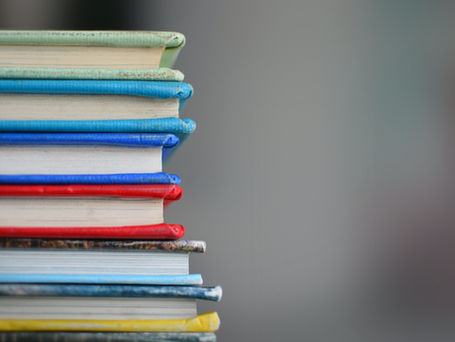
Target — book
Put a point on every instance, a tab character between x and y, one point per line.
98	262
208	322
37	209
119	178
102	302
79	100
89	54
87	119
59	336
83	153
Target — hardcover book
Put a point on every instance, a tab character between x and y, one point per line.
98	262
182	128
89	54
83	153
98	211
82	100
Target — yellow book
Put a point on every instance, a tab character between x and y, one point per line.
207	322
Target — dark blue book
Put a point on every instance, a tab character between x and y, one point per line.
120	178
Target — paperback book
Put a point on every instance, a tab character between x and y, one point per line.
51	261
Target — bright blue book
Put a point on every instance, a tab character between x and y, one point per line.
151	89
82	154
213	293
182	128
121	178
191	279
167	141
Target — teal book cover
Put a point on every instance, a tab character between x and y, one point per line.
212	293
182	128
163	91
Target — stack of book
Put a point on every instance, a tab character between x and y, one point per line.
86	120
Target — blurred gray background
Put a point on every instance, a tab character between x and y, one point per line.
321	171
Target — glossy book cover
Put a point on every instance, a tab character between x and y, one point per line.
208	322
193	246
80	290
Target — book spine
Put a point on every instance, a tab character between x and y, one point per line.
161	231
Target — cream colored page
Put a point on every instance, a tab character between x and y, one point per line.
84	107
79	212
74	57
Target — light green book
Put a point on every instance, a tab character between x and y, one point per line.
132	55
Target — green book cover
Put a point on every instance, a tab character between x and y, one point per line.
26	45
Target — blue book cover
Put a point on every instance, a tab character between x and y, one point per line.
121	178
213	293
156	89
136	140
182	128
74	336
30	278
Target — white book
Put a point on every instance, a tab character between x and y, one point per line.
80	153
96	308
103	262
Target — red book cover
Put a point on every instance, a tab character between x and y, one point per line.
169	192
161	231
